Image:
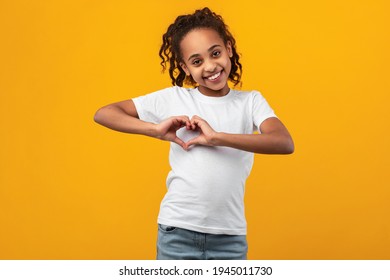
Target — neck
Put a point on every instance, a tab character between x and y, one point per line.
214	93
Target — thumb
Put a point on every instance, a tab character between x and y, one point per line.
192	142
180	142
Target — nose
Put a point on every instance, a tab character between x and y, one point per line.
210	66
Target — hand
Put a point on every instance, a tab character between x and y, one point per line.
207	134
166	130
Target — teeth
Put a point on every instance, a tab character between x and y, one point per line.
213	77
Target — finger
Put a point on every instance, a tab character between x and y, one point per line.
192	142
179	123
184	120
180	120
197	124
195	117
180	142
188	124
194	123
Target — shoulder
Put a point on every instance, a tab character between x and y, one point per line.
255	100
248	94
166	93
174	90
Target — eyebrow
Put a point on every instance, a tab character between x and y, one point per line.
209	50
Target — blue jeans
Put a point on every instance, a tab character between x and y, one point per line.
181	244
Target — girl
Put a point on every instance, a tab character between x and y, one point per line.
211	129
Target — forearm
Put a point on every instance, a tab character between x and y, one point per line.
270	143
117	119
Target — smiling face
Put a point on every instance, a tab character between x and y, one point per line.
207	59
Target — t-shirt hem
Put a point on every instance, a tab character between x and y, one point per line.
201	228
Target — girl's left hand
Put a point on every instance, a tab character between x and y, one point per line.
207	134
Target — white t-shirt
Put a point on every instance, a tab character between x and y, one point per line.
206	185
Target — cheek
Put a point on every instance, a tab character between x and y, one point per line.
195	73
229	65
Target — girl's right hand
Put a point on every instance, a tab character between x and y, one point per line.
166	130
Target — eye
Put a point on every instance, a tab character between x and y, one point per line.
196	62
216	53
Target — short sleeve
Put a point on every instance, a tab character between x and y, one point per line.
260	110
152	107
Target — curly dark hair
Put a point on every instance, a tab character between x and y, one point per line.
170	49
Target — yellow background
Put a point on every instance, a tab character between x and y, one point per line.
71	189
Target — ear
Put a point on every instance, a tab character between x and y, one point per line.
229	48
184	67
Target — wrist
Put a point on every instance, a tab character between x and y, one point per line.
217	139
152	130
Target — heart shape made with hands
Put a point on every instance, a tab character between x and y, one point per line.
186	132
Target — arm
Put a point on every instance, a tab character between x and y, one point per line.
122	116
274	139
